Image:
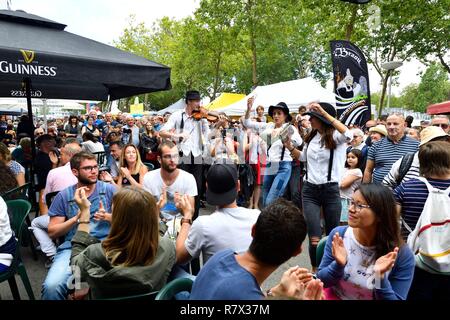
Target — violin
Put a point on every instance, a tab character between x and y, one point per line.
203	113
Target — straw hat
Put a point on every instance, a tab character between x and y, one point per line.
381	129
430	133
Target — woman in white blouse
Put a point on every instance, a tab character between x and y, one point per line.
279	162
325	156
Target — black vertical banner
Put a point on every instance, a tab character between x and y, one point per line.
351	83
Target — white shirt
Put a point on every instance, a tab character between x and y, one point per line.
184	184
319	156
197	130
276	146
5	228
92	147
348	192
226	228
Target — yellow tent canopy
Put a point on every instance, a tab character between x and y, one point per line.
224	100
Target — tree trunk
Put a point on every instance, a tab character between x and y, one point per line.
351	24
383	93
444	64
216	76
251	28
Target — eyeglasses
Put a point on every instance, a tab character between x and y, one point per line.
39	133
90	168
442	125
358	206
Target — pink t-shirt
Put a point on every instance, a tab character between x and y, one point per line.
59	179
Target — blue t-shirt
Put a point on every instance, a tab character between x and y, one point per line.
64	206
222	278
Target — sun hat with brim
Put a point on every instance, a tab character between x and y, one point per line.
221	184
325	106
381	129
283	106
430	133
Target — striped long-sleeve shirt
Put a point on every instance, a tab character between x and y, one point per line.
390	180
412	195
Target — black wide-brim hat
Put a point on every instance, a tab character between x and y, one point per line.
283	106
325	106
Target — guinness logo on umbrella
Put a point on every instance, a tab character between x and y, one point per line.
28	55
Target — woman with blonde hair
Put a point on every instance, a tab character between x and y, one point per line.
133	259
132	170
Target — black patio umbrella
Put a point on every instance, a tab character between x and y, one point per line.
38	59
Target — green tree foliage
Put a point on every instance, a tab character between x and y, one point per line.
234	45
434	87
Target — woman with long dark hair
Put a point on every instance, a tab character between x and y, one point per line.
368	259
73	127
324	155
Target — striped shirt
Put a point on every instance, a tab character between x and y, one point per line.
385	152
412	195
390	180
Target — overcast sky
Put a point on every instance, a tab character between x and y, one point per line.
104	21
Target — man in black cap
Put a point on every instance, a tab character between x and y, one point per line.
227	228
189	135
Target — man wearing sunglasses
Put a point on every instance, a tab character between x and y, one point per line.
442	121
65	217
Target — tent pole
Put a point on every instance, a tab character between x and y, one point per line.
27	82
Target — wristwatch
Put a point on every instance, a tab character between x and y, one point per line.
83	221
183	220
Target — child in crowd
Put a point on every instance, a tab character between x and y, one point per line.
351	179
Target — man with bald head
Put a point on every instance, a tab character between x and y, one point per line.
383	154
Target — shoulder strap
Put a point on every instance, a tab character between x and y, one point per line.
181	126
405	165
330	165
431	188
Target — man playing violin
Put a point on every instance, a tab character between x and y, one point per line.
191	135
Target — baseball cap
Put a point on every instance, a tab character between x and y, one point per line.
221	184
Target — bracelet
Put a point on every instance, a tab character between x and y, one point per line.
85	221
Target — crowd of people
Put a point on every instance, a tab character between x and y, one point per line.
119	199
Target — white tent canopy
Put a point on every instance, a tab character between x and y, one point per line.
294	93
180	104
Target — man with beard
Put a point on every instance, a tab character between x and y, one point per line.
168	183
64	218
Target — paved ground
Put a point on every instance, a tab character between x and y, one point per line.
37	272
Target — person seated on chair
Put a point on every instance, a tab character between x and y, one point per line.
170	182
8	242
64	216
58	179
277	236
229	227
134	258
113	161
368	259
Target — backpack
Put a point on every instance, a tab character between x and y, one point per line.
405	165
430	240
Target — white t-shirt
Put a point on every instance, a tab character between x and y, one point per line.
184	184
348	192
226	228
5	228
358	281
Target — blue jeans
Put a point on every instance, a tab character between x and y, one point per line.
325	196
55	284
275	181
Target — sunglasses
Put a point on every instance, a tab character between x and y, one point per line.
442	125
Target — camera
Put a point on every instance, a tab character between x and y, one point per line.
126	130
224	133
